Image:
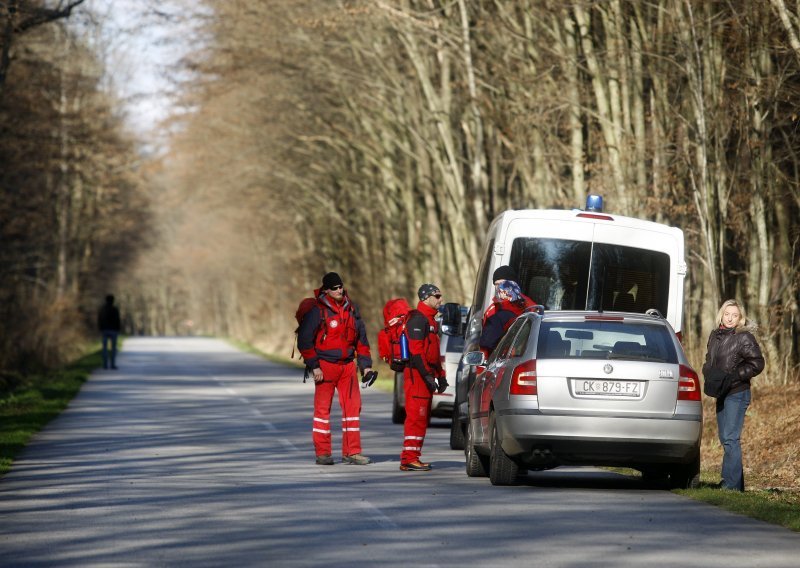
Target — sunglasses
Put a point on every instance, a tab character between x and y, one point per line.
337	287
437	296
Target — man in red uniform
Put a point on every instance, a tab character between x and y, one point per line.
331	335
422	376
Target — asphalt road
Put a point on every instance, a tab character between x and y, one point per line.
196	454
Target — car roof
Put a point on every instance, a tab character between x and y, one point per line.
580	315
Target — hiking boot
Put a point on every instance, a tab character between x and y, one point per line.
324	460
415	466
356	459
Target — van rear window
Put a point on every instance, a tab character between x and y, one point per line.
579	275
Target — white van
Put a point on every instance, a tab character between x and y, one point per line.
578	260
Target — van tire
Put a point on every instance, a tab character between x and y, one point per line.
398	410
457	435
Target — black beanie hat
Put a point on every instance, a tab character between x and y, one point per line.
330	280
504	272
427	290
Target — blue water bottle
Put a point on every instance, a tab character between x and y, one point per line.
404	354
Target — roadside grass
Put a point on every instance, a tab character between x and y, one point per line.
772	505
32	401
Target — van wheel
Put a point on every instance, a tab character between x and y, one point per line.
477	464
502	469
398	409
457	438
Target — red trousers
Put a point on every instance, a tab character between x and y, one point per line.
343	379
418	409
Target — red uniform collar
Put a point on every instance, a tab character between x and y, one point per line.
428	311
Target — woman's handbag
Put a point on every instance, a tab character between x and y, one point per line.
717	383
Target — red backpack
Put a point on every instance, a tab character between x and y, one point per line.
395	316
305	306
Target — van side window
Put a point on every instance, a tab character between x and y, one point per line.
483	278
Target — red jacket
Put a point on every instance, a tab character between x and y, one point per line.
333	332
423	341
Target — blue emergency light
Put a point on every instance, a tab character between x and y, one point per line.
594	203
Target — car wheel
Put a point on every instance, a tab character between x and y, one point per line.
476	463
502	469
457	441
398	409
654	478
685	476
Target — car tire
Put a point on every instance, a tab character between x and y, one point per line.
477	465
398	410
685	476
457	437
502	469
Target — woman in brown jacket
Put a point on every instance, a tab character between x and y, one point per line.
733	350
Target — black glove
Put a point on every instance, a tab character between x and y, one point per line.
431	382
443	384
369	378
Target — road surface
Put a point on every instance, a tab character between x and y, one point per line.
196	454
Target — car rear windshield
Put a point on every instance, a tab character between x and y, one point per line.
626	340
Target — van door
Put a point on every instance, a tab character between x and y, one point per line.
635	269
552	260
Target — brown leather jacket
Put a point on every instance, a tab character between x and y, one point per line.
736	352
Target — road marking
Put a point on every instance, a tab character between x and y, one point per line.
377	515
285	442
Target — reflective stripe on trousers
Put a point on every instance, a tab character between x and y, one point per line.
418	409
342	379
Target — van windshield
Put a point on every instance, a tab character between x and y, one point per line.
578	275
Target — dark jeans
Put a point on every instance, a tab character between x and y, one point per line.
730	421
110	337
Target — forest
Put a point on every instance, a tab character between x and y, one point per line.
378	139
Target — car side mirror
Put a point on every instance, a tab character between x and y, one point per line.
475	359
451	319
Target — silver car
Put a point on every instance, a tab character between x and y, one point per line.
585	388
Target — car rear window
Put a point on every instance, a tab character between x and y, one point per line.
625	340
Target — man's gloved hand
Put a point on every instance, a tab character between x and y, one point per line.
369	378
431	382
443	384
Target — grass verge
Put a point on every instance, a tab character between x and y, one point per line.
35	400
772	505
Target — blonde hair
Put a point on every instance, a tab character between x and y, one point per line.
736	304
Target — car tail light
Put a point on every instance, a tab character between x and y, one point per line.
679	335
688	384
523	380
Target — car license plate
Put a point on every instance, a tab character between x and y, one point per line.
589	387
